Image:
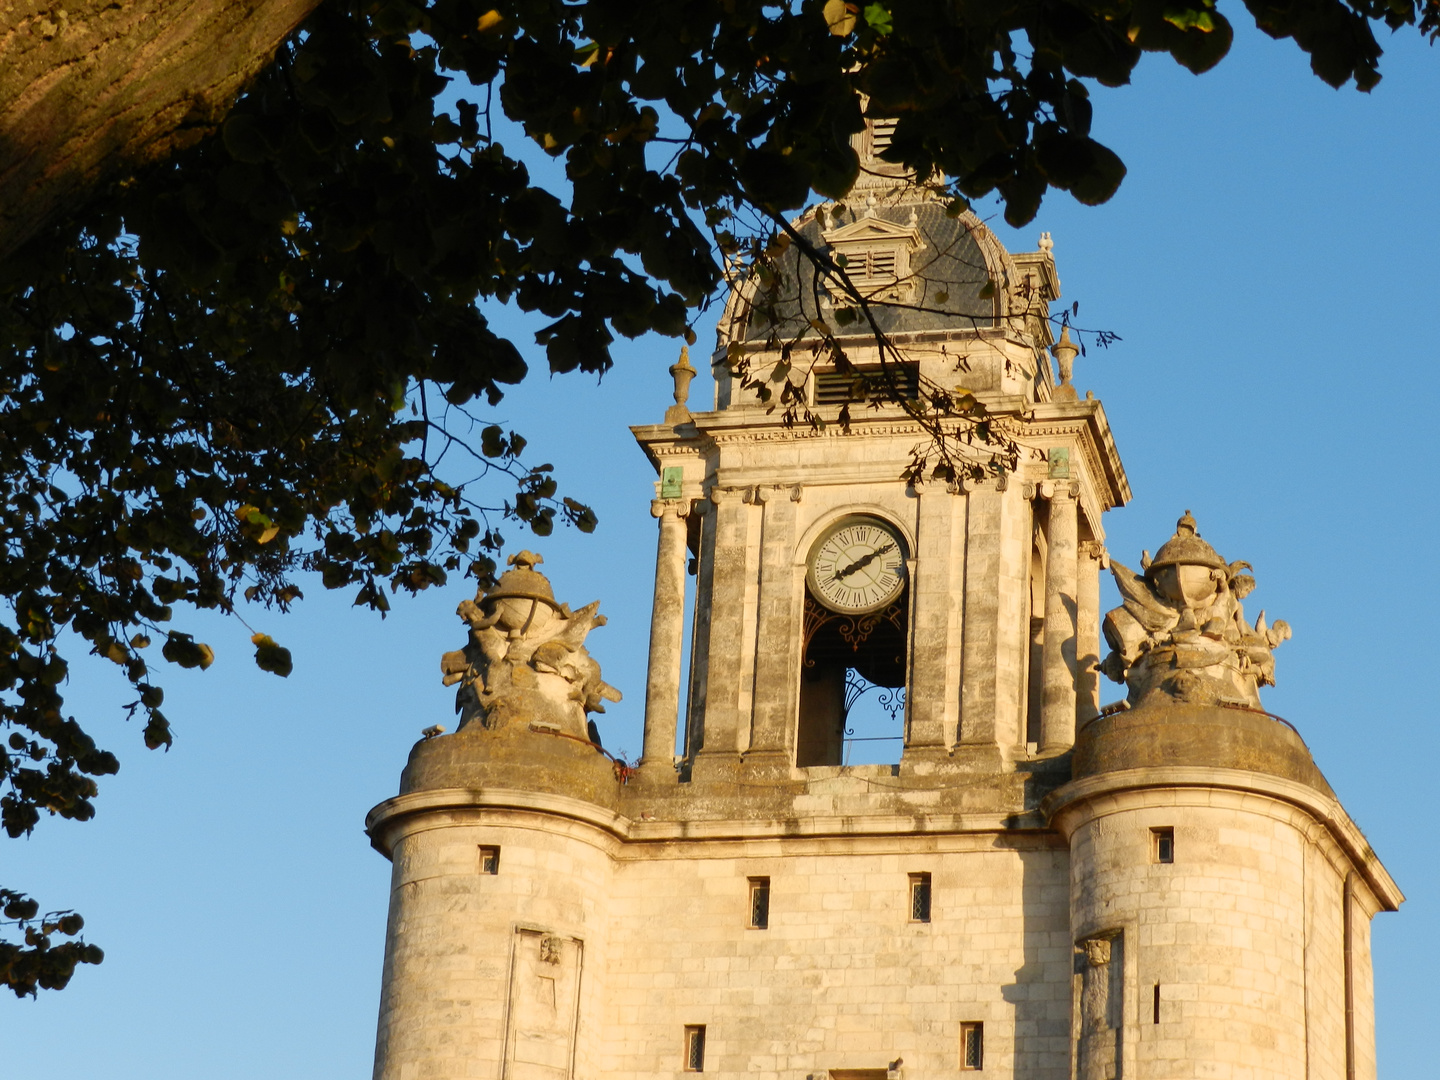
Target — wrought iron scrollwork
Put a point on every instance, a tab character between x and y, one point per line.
854	630
891	698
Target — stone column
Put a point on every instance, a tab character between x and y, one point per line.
667	638
776	684
1057	710
1087	632
721	723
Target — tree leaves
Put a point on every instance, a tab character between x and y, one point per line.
185	651
266	358
40	964
270	656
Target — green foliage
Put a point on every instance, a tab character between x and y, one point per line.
40	964
254	361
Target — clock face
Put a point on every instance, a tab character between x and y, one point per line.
858	565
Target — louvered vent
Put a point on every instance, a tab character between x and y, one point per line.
882	263
880	136
862	383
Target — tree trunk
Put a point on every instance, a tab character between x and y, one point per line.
90	89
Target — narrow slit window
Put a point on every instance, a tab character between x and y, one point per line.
1162	845
919	897
489	860
972	1046
759	903
1157	1003
695	1048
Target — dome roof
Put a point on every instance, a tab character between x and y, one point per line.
920	267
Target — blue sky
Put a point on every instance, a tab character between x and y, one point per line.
1269	264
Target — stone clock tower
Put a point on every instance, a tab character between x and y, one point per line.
1033	887
984	605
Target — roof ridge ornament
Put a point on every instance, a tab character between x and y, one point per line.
1180	632
682	372
1065	352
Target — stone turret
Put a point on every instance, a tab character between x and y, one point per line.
1220	896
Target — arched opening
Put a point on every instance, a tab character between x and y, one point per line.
853	662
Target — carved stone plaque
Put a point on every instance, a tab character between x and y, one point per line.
1100	995
543	1006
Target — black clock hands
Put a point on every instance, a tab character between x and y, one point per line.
864	561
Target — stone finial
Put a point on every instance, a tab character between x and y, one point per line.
526	658
1046	244
682	373
1065	352
1181	630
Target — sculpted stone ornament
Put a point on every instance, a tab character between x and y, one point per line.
1181	630
526	660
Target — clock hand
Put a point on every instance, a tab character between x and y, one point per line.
864	561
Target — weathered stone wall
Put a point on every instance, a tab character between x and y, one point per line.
1221	930
841	978
465	985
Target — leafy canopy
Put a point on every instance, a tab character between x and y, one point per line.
262	358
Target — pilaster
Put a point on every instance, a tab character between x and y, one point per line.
724	658
778	631
933	695
996	570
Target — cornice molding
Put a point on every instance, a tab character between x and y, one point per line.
1091	797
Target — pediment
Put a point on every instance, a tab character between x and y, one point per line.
871	230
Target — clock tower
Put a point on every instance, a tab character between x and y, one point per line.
825	559
1027	885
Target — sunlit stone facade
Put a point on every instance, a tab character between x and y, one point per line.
1032	889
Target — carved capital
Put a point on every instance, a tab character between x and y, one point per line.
720	496
660	507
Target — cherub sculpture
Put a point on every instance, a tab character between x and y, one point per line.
1181	630
526	659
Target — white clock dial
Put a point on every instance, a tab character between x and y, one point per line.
857	566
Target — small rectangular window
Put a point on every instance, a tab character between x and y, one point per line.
695	1048
972	1045
489	860
919	897
1162	845
1157	1003
759	903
